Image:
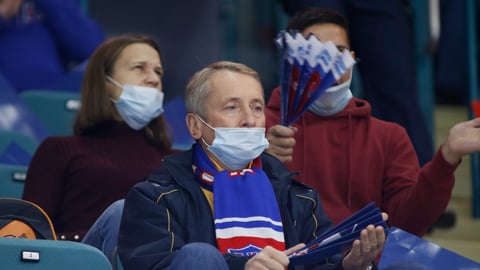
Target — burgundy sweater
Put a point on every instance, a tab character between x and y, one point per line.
75	178
352	158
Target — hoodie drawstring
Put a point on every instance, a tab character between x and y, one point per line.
349	157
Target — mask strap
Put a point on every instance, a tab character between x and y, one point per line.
203	121
206	124
113	81
203	140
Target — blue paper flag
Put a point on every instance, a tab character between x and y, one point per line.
339	238
307	68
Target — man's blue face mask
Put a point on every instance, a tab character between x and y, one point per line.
236	147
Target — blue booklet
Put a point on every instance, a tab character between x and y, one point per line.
339	238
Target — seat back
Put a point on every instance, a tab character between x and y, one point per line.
16	116
17	253
24	219
56	109
12	180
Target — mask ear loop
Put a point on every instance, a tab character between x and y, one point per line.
206	124
110	79
203	121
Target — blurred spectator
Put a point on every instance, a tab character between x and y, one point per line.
381	34
41	40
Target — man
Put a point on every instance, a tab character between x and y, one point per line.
352	158
223	204
388	66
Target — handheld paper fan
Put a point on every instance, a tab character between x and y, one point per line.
308	68
339	238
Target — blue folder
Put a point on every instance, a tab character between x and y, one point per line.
339	238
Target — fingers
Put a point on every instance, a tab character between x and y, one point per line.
294	248
281	142
475	122
268	258
366	249
384	216
372	241
282	131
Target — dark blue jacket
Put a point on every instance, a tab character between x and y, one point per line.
169	210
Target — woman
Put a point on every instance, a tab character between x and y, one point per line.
120	135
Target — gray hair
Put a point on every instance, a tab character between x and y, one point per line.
198	88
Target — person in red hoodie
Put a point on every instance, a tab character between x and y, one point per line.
352	158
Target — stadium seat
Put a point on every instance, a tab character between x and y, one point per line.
15	154
19	253
12	180
55	109
9	139
16	116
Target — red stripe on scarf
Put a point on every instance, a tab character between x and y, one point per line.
241	242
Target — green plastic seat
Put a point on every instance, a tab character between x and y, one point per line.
12	180
56	109
28	254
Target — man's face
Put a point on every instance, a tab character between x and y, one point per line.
334	33
235	100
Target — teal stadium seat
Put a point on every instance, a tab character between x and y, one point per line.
55	109
16	151
12	180
27	143
27	254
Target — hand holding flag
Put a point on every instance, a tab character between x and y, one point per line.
308	68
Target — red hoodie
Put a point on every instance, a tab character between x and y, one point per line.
352	158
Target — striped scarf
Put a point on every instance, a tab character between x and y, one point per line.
247	218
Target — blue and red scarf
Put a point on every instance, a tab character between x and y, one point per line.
247	218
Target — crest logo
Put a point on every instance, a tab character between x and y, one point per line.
249	250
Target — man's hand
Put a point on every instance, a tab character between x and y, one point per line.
281	142
365	250
9	8
270	258
463	139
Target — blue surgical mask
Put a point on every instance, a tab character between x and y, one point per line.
236	147
138	105
333	100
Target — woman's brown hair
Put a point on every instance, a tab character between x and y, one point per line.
97	111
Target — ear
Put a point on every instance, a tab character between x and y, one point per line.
352	53
194	126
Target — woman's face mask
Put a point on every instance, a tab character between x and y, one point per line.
138	105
